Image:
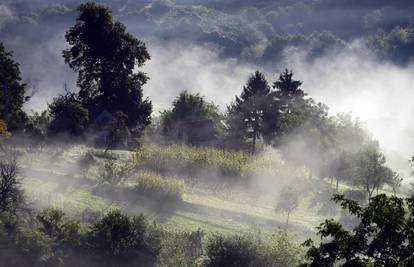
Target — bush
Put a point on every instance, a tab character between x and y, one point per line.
180	249
114	174
119	240
67	116
251	250
165	190
237	251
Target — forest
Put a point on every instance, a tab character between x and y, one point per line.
98	171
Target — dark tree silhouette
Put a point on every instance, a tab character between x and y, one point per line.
120	240
288	91
11	193
252	106
105	56
383	236
190	113
12	91
67	115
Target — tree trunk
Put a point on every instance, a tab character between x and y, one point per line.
254	143
287	220
337	184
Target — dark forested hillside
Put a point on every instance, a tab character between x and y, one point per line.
251	30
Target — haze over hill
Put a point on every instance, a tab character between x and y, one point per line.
352	55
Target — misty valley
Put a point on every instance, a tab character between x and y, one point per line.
210	133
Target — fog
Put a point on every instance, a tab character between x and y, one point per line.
348	80
377	92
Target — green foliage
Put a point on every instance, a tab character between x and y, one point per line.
105	55
180	249
165	190
288	201
68	116
114	173
191	162
119	238
37	127
118	133
12	91
237	251
21	246
288	92
383	236
249	250
3	130
189	108
250	111
369	170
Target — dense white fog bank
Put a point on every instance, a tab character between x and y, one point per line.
379	93
350	80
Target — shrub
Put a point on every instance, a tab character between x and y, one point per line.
237	251
180	249
159	188
119	240
67	116
113	173
251	250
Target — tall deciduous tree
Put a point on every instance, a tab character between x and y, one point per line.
188	108
383	237
12	91
369	170
105	57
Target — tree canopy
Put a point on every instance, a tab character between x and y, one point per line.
12	91
251	108
383	236
105	57
190	111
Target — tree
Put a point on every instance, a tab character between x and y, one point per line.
105	57
236	134
37	126
254	102
12	91
118	133
188	109
383	236
67	115
11	193
288	91
4	133
288	201
369	170
307	136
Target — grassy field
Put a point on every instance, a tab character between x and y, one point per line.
52	178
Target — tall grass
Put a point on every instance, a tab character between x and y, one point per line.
158	188
211	163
